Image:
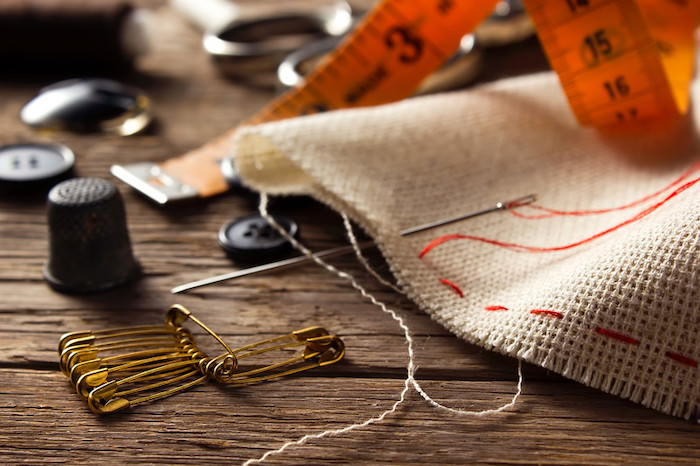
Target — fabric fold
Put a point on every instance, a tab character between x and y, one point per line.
400	165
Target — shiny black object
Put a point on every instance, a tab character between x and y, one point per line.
89	105
252	239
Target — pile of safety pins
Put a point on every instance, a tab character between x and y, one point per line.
120	368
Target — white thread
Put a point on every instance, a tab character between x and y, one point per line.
361	257
416	385
484	413
326	433
410	367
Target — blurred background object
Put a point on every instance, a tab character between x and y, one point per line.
40	35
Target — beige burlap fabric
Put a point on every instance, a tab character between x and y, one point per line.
625	307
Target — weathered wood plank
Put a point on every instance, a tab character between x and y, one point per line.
41	419
553	424
441	357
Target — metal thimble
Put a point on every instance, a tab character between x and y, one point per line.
89	246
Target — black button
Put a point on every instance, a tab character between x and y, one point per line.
34	165
253	240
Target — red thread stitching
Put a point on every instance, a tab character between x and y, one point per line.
548	312
523	248
617	336
682	359
495	308
554	212
602	331
453	285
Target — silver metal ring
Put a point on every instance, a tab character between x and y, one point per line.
250	46
290	73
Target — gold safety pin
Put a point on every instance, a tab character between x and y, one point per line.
320	349
162	366
86	381
105	397
84	352
91	336
128	363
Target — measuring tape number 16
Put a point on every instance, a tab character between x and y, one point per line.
619	62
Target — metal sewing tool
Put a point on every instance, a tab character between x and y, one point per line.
120	368
249	46
260	269
294	261
89	105
242	44
529	199
89	246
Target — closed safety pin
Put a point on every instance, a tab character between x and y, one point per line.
74	354
164	360
90	336
95	374
128	364
320	349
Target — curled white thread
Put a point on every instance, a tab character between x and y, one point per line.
410	367
358	252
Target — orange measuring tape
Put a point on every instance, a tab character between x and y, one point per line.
620	62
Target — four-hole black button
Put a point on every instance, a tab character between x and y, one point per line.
252	239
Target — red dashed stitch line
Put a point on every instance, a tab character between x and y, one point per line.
682	359
548	312
452	285
603	331
495	308
617	336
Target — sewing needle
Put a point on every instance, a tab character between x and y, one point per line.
293	261
259	269
529	199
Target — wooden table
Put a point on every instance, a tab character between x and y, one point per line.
42	419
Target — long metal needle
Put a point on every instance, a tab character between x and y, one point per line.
291	262
529	199
268	267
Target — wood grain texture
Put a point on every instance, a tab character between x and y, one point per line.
43	420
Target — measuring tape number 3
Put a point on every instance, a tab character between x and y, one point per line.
620	62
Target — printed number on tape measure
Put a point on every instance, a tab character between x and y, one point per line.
619	62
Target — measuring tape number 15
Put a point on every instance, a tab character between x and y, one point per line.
619	62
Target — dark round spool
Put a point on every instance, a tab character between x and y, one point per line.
37	35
